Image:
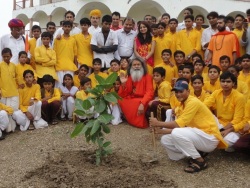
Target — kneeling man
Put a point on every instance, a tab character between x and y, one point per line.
193	132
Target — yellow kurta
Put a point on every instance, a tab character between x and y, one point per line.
164	92
242	87
45	62
188	43
8	109
202	97
20	68
171	72
244	77
245	120
26	94
66	50
32	46
239	34
82	95
204	76
173	39
76	81
174	101
208	87
56	96
193	113
94	81
229	111
8	79
84	52
162	43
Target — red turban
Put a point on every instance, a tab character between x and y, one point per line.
15	23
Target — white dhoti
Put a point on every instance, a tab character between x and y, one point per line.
184	142
14	103
169	115
4	120
68	106
60	75
116	112
24	122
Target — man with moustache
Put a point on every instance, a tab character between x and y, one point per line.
136	91
95	16
222	43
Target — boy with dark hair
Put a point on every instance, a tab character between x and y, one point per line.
154	28
213	83
229	105
199	66
36	32
114	67
239	30
179	57
199	20
197	84
83	44
230	22
115	21
82	73
66	53
245	72
51	28
172	34
224	63
51	100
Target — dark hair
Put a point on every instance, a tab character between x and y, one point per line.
143	64
190	10
70	76
222	17
68	23
248	11
153	18
21	53
84	81
189	16
190	67
61	22
115	61
48	78
128	18
179	52
196	55
200	61
85	66
146	16
6	50
214	67
200	16
116	14
153	26
228	74
162	24
245	56
229	18
240	15
235	67
224	57
182	79
140	37
50	23
46	34
27	72
181	67
69	12
212	14
238	60
36	27
160	70
199	77
85	21
107	18
165	14
173	19
166	51
97	60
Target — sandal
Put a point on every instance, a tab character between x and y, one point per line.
54	122
31	127
196	166
203	155
63	119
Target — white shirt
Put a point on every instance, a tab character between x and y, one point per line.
16	45
125	43
98	40
182	26
92	29
72	91
74	31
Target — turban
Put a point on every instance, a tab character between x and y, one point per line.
95	12
15	23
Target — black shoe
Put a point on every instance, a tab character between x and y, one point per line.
2	137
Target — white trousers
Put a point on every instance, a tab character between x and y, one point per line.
60	75
14	103
169	116
184	142
24	122
4	120
68	106
116	112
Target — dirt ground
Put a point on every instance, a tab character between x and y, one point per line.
50	158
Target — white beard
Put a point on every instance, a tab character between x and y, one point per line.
136	75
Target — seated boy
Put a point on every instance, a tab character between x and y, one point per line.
229	105
51	100
5	112
160	103
224	63
179	57
114	66
82	73
188	72
30	105
213	83
197	84
199	69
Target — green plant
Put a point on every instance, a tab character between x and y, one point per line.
95	129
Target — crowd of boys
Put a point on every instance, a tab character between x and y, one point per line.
200	81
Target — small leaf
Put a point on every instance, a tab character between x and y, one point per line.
99	79
93	91
105	118
100	88
116	95
100	106
78	129
108	150
79	112
111	78
106	144
95	127
86	104
92	101
99	142
110	98
105	129
98	160
79	104
93	138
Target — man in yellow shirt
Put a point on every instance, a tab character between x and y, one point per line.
36	32
238	30
172	35
229	106
194	130
189	39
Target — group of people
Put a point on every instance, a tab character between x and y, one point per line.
196	81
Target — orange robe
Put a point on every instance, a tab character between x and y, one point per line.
132	95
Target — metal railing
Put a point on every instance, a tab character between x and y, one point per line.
45	2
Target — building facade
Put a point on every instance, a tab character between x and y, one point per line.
42	11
